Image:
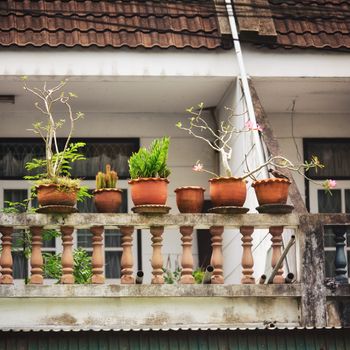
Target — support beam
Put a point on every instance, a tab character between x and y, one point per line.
313	299
274	148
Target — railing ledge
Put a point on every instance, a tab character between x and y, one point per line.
156	291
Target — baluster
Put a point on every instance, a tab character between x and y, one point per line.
340	258
157	259
247	256
127	258
217	258
67	255
276	239
187	257
97	255
36	260
6	261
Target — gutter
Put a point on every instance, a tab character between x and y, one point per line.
245	85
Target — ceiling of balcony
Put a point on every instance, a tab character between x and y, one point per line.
133	95
310	95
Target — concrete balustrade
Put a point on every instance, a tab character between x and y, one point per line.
217	224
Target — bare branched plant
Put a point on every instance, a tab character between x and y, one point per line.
48	99
220	140
199	128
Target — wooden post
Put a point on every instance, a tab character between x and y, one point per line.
187	257
340	258
67	255
247	256
127	263
36	260
276	233
97	255
6	261
157	259
217	259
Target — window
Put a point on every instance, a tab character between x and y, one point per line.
334	154
14	153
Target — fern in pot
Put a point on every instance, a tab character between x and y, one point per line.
149	172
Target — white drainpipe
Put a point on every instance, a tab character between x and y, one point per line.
245	85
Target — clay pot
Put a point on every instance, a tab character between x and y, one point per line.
108	200
53	194
227	191
271	191
190	199
148	191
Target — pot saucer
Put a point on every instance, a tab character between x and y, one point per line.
151	209
275	209
228	210
57	209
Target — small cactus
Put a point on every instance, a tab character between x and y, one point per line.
106	180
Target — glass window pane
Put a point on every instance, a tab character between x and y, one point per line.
330	268
112	238
98	153
112	264
329	203
347	201
20	265
329	237
17	196
49	238
14	154
84	238
87	206
18	239
333	153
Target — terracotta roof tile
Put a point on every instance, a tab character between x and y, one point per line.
105	23
302	23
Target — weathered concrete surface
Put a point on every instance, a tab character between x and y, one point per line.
147	307
156	291
313	302
169	220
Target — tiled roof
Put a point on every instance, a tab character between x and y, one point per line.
106	23
321	24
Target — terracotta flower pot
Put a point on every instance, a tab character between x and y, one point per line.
271	191
108	200
190	199
148	191
227	191
56	195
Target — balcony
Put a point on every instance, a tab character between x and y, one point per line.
308	301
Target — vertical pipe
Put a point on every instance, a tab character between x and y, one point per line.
245	84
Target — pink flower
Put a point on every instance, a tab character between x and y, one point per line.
328	185
332	183
198	167
250	126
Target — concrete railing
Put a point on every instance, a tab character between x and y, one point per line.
311	301
127	223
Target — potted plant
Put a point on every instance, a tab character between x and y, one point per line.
149	172
190	199
227	190
53	184
107	197
231	191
